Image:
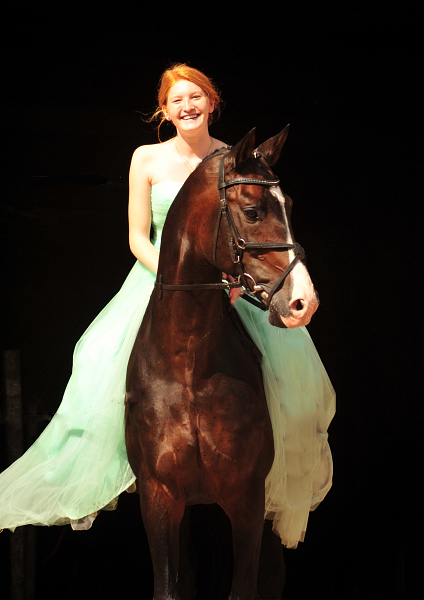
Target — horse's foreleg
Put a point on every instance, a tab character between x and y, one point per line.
272	569
187	560
161	517
246	513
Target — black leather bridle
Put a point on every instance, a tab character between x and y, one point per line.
238	245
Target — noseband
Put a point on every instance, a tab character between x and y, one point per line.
238	245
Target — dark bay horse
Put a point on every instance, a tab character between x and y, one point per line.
197	423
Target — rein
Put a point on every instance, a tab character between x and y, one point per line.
238	245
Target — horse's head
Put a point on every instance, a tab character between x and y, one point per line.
260	225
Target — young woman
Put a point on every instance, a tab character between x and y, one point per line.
79	465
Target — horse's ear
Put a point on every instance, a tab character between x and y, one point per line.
271	149
241	151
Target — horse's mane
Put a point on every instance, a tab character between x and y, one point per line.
216	152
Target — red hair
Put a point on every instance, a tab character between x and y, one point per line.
182	71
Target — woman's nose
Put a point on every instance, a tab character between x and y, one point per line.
187	104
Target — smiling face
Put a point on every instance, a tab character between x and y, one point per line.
188	106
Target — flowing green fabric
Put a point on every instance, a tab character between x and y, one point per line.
79	463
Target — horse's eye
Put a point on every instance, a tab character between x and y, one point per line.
251	214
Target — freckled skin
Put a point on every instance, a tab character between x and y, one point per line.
196	418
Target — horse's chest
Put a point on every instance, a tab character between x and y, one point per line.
200	419
188	421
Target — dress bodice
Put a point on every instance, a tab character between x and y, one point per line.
162	196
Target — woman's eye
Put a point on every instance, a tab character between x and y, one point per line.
251	214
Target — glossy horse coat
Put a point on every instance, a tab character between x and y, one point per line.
197	424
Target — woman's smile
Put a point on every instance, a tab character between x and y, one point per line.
189	117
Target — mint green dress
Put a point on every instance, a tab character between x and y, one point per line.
79	463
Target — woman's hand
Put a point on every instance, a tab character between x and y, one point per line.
234	292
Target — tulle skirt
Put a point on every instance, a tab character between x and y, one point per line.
301	403
79	463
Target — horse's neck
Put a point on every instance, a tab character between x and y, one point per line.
188	313
190	226
187	331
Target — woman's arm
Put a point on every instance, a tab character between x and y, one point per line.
139	209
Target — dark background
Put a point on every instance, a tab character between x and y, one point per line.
347	77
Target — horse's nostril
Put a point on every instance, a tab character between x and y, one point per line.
299	305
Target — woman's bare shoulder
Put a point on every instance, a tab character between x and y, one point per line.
147	161
150	151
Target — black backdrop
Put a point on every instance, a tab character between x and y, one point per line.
347	77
